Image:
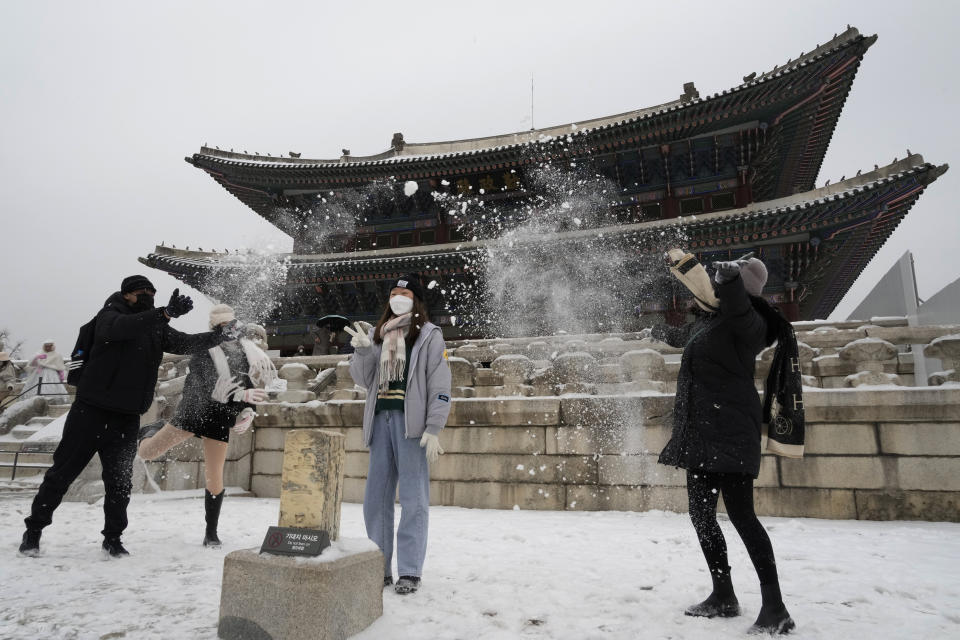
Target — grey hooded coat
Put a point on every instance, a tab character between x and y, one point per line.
427	402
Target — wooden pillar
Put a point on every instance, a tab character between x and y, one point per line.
790	310
311	488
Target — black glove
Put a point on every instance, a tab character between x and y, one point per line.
178	305
229	331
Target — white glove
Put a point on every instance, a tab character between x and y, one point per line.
674	255
360	339
225	388
244	420
729	270
432	444
250	396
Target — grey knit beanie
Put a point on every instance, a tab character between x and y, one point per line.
754	275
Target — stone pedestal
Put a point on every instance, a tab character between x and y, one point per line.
328	597
267	597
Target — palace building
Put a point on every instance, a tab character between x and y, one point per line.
729	173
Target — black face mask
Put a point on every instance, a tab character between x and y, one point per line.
144	302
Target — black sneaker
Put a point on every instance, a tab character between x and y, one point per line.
407	585
30	545
114	547
387	581
149	430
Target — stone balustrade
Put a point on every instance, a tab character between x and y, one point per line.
947	349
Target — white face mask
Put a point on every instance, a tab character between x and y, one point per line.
401	305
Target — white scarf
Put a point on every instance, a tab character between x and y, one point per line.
261	370
393	355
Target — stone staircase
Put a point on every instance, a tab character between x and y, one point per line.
57	410
20	461
24	431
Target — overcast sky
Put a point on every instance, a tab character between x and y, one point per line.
101	101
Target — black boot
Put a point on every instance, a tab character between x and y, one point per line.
30	545
722	602
149	430
774	617
212	504
114	547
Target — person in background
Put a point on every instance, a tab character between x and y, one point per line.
47	373
219	396
717	424
323	341
8	378
115	388
402	363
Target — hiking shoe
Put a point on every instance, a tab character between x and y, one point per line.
114	547
407	585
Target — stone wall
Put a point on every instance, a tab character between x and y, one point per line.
576	422
871	454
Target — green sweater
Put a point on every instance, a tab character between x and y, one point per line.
392	399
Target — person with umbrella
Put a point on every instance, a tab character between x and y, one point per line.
325	335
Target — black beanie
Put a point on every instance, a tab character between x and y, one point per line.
411	281
132	283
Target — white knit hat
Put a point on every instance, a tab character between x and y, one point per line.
221	313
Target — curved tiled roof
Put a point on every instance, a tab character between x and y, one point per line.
843	213
799	104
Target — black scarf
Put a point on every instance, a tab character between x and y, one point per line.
783	415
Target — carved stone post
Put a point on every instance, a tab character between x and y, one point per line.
311	487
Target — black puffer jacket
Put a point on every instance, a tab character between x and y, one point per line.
121	371
198	412
717	415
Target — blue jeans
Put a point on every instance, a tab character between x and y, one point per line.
395	459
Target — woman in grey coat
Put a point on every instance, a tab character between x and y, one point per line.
402	362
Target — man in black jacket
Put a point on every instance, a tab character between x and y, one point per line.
115	388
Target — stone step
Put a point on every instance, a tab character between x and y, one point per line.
40	421
57	410
23	471
24	431
26	458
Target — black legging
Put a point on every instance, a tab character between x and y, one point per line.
703	489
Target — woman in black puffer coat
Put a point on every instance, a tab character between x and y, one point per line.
219	396
717	424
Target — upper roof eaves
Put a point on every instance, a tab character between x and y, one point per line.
472	146
849	187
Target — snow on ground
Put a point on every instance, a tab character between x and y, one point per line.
490	575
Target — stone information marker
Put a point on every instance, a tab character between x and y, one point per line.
277	597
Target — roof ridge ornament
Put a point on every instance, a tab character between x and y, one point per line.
690	93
